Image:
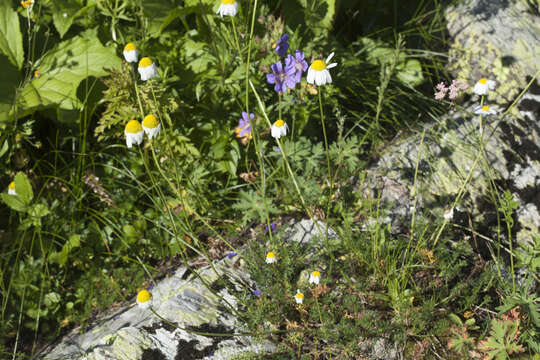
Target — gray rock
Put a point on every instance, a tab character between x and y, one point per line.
485	33
305	230
189	309
496	39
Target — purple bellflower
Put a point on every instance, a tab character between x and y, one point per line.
282	45
282	78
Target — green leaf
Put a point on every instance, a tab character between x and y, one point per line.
10	34
14	202
180	12
10	81
63	68
316	15
156	12
23	188
64	12
408	71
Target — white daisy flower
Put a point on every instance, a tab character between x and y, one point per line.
11	188
228	8
147	69
270	257
151	126
144	299
483	86
279	129
315	277
448	214
131	54
299	297
318	71
484	110
134	133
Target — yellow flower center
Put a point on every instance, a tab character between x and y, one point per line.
270	255
145	62
485	108
299	295
11	185
27	4
37	74
130	47
150	122
318	65
482	81
279	123
143	296
133	127
228	2
316	274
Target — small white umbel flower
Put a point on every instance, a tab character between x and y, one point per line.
144	299
134	133
279	129
228	8
147	69
484	110
483	86
315	277
151	126
299	297
11	188
270	257
131	54
318	71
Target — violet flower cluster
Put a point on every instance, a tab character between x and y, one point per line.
286	77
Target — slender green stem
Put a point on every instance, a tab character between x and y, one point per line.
236	38
291	174
330	177
249	53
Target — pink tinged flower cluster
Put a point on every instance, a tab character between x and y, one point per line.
453	90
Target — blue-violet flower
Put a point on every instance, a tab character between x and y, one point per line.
298	63
282	45
282	78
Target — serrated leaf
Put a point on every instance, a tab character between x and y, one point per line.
63	68
10	34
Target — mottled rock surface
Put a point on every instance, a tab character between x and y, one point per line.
132	333
445	153
496	39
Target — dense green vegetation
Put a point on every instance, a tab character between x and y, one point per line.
92	216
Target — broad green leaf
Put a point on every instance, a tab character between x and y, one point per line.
63	68
156	12
181	12
10	81
64	12
23	188
14	202
316	15
10	34
408	71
